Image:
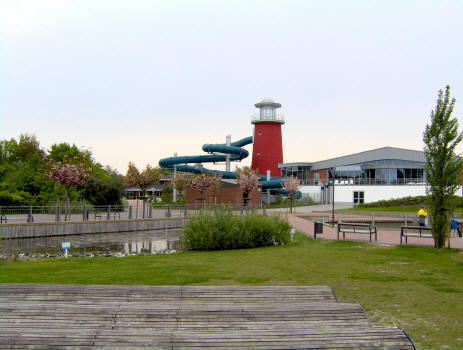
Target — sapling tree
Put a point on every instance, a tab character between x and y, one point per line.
441	137
132	177
291	185
149	176
69	173
179	181
202	182
247	180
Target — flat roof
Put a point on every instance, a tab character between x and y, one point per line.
286	165
382	153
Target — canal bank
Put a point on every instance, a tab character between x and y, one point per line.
35	230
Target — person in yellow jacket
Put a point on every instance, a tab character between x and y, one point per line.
422	213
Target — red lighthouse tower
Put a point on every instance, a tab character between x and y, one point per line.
268	148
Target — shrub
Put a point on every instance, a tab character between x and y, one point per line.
222	230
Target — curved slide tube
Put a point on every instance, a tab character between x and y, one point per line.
235	152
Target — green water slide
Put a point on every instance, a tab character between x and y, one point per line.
234	151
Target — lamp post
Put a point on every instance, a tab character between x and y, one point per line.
333	171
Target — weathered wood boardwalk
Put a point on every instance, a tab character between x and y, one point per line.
130	317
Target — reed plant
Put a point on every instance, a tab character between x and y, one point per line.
221	230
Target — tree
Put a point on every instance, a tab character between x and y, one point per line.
103	187
179	182
69	173
291	185
148	177
132	177
202	182
442	165
247	180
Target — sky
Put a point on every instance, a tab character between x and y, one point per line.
141	80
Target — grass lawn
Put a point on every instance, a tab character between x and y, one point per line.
395	209
286	205
417	288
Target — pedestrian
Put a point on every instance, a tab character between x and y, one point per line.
422	213
455	226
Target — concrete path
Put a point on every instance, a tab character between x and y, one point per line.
385	236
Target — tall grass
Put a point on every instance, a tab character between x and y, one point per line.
222	230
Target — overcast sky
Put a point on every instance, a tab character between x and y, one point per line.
140	80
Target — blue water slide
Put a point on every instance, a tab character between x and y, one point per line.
235	152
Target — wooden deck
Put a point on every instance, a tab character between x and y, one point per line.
130	317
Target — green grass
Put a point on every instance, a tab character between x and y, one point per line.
393	209
417	288
286	205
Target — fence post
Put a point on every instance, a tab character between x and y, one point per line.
185	213
29	218
143	216
263	209
169	214
151	211
108	216
339	218
130	211
84	213
373	219
58	214
405	219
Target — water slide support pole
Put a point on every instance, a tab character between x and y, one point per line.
174	194
228	142
268	191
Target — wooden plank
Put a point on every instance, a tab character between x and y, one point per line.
74	316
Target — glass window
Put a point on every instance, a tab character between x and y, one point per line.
359	197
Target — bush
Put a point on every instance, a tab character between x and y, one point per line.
222	230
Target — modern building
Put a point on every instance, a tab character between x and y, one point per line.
379	174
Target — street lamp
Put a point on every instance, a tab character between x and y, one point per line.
333	172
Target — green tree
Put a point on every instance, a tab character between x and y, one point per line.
103	187
442	165
59	152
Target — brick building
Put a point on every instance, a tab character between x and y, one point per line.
227	193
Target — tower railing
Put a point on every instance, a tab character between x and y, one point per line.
276	118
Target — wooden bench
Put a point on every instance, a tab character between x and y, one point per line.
104	216
356	228
414	231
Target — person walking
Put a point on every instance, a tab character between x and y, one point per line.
455	226
422	213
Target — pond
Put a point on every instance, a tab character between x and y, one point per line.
96	244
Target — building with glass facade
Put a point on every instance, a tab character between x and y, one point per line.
369	176
382	166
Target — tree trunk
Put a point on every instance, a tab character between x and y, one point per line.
67	204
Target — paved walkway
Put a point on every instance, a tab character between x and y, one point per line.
385	236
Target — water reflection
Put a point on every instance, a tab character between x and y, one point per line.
118	244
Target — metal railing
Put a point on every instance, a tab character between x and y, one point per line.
57	213
364	181
380	220
274	118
